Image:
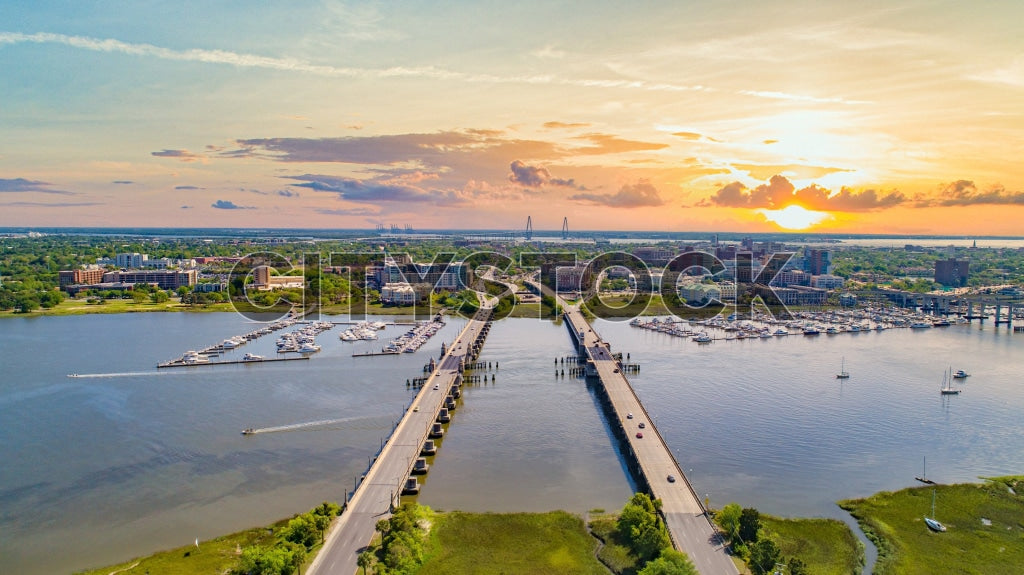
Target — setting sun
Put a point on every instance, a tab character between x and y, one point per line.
795	217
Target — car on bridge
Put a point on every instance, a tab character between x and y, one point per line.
639	435
671	478
641	426
629	415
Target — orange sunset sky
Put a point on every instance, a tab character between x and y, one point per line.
877	117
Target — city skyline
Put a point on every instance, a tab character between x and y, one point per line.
897	118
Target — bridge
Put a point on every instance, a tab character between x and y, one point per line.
650	457
380	490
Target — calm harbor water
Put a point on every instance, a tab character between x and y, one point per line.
100	469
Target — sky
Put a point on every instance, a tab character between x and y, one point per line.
887	117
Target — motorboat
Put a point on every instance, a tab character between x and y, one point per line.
252	357
702	338
961	374
248	431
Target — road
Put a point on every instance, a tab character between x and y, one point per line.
690	528
372	501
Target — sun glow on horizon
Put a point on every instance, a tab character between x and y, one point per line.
794	217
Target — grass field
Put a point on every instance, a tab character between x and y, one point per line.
80	307
985	525
554	543
826	546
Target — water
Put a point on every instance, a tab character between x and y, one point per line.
109	467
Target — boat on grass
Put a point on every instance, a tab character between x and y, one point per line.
933	523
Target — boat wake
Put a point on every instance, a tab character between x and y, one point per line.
123	374
314	425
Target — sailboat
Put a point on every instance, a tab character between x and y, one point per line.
932	522
924	474
843	374
947	384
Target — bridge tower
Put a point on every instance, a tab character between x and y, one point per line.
565	228
529	228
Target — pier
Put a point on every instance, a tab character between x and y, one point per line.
648	456
391	474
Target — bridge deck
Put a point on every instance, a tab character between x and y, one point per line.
372	501
689	527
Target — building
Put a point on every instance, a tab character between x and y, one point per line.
100	286
796	295
209	287
655	256
89	275
164	279
952	272
262	280
437	277
130	261
398	294
827	281
701	293
788	277
817	262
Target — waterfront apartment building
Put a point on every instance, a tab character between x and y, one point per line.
164	279
795	295
398	294
89	275
438	277
952	272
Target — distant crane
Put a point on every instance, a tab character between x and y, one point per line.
565	228
529	228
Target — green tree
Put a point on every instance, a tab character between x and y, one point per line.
26	302
750	524
365	560
259	561
302	530
763	556
671	562
728	519
139	296
322	522
797	567
159	296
